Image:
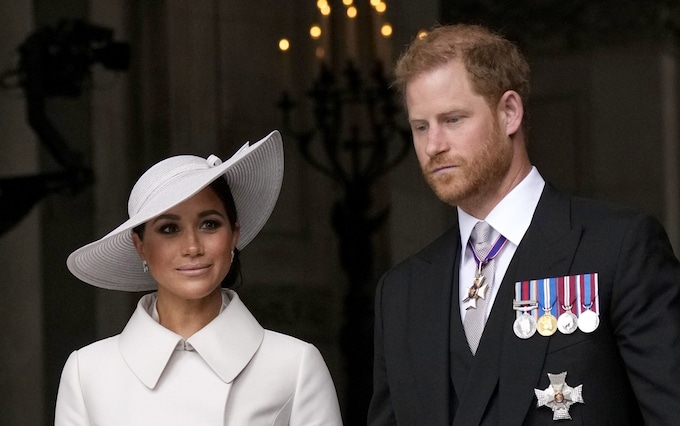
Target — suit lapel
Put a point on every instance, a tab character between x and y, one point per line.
428	332
504	361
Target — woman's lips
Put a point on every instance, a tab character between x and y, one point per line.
193	269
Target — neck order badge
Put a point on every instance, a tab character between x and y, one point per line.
480	284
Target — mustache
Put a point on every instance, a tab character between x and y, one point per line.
442	161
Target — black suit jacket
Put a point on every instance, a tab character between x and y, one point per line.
424	373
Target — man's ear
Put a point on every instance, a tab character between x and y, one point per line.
510	112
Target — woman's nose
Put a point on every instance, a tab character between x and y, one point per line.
192	244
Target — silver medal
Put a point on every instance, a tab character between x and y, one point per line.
588	321
567	322
524	326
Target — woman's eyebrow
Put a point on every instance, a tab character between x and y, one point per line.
166	216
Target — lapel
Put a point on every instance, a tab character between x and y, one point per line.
226	344
505	362
429	312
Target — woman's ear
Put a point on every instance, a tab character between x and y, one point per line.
510	112
139	245
235	234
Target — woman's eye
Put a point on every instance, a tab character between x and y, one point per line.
211	224
168	228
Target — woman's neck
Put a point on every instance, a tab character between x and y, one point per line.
186	317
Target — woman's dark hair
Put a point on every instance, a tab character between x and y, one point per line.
221	188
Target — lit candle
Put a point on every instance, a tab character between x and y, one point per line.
351	32
323	39
323	48
381	32
284	48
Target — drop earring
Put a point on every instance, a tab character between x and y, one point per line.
232	256
145	266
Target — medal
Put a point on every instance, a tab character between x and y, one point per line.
588	319
525	304
477	291
559	396
479	287
567	321
557	298
547	323
524	326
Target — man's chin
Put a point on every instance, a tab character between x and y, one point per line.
447	194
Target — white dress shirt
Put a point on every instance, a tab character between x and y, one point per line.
511	218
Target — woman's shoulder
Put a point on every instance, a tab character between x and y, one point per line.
97	352
284	346
285	341
105	344
290	357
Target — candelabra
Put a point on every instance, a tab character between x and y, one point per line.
55	62
354	141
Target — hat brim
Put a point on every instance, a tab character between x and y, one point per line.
254	175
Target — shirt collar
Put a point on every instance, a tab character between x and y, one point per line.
226	344
512	216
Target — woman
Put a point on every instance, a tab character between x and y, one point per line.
192	354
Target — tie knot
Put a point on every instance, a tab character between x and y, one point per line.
480	236
481	232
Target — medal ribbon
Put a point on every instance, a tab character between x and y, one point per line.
589	289
518	296
525	291
547	291
497	247
533	289
566	293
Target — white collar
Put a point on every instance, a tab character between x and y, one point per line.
512	216
226	344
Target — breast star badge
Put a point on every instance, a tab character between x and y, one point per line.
559	396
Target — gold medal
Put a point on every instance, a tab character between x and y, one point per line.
546	324
547	292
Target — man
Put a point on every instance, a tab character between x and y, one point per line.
535	306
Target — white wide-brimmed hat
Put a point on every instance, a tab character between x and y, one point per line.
254	174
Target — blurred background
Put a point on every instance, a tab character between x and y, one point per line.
93	92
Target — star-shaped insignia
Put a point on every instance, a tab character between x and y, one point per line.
481	292
477	291
559	396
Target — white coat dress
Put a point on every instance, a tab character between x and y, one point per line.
231	372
